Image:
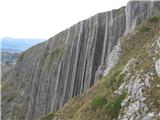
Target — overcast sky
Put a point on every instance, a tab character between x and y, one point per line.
45	18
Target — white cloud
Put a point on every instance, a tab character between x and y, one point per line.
45	18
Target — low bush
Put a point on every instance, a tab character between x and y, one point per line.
153	19
145	29
113	108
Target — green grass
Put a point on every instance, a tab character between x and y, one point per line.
49	116
145	29
113	107
98	102
153	19
115	79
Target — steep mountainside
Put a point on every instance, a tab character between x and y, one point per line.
47	75
131	90
8	60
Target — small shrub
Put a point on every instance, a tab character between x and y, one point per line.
114	107
49	116
98	102
153	19
145	29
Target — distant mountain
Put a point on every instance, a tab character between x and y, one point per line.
10	50
19	44
8	59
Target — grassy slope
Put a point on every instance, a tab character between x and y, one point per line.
133	45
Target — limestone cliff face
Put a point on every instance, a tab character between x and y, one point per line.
137	11
50	73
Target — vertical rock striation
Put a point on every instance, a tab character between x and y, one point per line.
50	73
138	11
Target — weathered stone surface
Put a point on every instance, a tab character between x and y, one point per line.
157	67
137	11
135	106
49	74
139	104
157	62
112	59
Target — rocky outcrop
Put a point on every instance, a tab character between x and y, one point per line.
138	84
157	62
49	74
157	67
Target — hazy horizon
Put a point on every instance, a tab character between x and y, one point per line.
20	44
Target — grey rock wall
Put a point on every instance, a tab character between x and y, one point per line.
49	74
137	11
